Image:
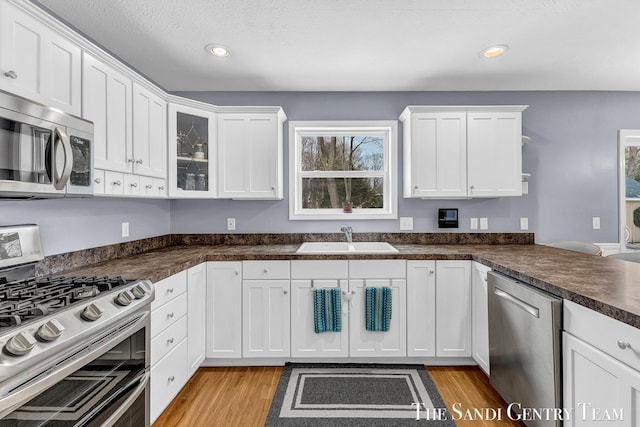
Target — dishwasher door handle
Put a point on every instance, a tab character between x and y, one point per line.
517	302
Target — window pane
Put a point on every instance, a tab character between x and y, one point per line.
330	193
342	153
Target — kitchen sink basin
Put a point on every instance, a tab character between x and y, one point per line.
346	248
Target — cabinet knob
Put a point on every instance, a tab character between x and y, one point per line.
97	180
117	182
273	188
431	271
472	187
415	188
170	290
285	292
134	185
139	162
161	188
171	379
265	271
624	345
170	341
148	186
237	273
131	160
11	74
170	315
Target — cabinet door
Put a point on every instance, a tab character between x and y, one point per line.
38	63
304	341
453	308
196	316
438	155
595	382
494	154
421	308
192	152
480	316
107	102
149	133
392	343
250	156
265	318
224	308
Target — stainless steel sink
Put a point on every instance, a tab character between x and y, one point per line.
346	248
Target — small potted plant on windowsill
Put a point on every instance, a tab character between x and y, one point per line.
347	207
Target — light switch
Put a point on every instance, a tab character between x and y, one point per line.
406	223
484	223
524	223
474	224
596	223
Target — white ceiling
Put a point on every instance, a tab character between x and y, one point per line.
369	45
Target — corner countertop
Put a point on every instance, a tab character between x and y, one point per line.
608	286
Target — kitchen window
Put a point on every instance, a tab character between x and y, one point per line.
343	170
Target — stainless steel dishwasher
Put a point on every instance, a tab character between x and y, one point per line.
525	350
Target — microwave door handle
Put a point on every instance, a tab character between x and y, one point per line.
60	179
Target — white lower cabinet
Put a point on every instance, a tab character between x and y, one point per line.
480	316
224	310
305	277
601	369
167	378
379	273
453	312
196	316
421	308
266	309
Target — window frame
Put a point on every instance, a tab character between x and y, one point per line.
388	129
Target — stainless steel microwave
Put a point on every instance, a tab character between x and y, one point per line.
44	152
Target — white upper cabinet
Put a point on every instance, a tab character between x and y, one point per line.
250	154
149	133
462	151
37	62
494	153
107	102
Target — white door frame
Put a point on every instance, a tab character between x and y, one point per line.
626	137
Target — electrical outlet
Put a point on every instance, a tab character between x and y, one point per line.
231	224
524	223
125	229
406	223
596	222
484	223
474	224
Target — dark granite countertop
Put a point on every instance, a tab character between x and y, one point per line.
606	285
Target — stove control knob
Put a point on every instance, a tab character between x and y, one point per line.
124	298
138	291
50	331
20	344
91	313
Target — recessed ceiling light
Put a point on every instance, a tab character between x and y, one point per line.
494	51
217	50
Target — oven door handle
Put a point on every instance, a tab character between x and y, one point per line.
60	178
115	417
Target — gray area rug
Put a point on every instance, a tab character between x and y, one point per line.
353	395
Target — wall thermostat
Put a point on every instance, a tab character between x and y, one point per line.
447	218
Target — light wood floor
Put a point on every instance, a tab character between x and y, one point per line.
241	396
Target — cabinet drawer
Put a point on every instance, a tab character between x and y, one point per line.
377	269
615	338
98	182
168	314
167	378
168	339
113	183
319	269
131	185
265	270
169	288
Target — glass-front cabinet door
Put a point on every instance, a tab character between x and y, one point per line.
192	152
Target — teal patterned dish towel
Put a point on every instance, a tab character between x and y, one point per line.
377	311
327	310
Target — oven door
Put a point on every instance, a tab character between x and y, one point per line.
106	383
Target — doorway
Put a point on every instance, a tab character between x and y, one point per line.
629	189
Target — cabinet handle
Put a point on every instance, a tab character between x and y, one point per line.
170	315
11	74
117	183
172	378
97	180
170	341
133	185
139	162
148	186
624	345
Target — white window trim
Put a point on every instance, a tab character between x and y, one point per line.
387	128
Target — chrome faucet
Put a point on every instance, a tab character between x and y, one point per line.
348	232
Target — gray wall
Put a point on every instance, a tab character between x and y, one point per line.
572	159
72	224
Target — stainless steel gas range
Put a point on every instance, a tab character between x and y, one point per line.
75	350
